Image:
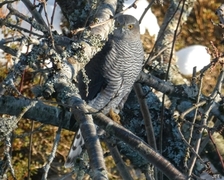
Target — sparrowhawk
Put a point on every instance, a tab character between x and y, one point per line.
112	73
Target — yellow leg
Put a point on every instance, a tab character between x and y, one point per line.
114	116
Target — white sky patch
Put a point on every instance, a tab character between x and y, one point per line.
191	56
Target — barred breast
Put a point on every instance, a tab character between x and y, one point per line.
122	66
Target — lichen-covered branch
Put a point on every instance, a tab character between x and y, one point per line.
176	15
167	88
138	145
50	115
173	18
41	112
34	13
37	25
90	41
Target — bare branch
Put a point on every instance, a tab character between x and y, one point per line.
146	115
118	161
36	15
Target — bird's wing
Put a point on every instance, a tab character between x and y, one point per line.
93	70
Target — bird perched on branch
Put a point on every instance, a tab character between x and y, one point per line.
111	73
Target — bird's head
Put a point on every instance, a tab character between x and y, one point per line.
126	26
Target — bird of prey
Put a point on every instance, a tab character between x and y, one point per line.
112	73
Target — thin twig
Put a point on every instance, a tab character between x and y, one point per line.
146	115
208	108
146	9
147	119
217	151
125	174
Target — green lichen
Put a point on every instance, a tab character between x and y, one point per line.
83	11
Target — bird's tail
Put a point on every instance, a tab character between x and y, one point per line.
75	150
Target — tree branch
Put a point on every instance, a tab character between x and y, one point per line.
50	115
137	144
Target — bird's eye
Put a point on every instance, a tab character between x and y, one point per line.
130	26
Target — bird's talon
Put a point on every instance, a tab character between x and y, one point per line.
114	116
